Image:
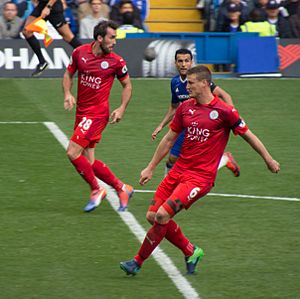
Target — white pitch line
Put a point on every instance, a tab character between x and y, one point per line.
182	284
255	196
19	122
236	195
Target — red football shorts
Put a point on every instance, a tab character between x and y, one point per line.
88	131
179	190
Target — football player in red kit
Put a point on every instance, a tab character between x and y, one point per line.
207	122
97	67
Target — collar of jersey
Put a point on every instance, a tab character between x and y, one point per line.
182	81
211	103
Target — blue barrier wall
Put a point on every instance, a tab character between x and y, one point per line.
257	55
211	47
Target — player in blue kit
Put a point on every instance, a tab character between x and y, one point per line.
183	62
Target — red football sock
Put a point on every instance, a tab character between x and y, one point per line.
153	237
177	238
106	175
84	168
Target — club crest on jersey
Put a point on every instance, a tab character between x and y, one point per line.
214	114
104	65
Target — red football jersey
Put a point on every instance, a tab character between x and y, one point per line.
207	128
95	79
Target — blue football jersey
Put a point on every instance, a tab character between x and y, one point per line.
179	92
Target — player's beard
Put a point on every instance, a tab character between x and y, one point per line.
104	49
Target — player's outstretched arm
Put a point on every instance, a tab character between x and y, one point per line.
168	117
69	100
118	113
161	151
259	147
224	95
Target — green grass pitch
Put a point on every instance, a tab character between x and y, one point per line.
50	249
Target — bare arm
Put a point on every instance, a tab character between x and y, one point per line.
161	151
168	117
69	100
118	113
47	9
259	147
226	97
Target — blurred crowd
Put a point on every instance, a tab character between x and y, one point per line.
81	15
279	18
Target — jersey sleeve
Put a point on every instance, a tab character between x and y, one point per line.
72	67
177	125
121	70
236	123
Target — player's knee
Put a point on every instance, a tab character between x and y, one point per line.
67	36
150	216
162	216
71	154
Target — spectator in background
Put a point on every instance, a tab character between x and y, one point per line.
232	24
291	6
294	21
85	9
274	17
2	2
223	16
142	5
71	16
261	5
10	23
127	26
258	24
25	8
87	24
124	6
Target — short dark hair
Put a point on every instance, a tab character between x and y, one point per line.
9	3
101	28
256	15
201	71
125	2
183	51
91	1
